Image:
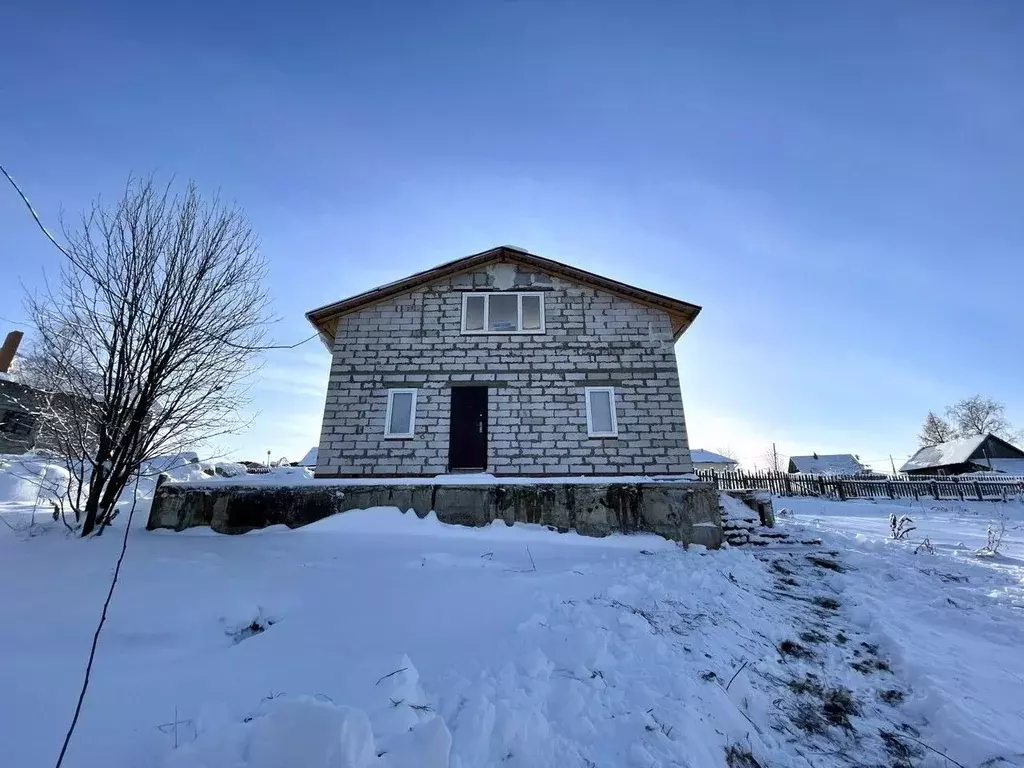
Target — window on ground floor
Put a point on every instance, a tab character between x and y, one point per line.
400	420
503	313
601	412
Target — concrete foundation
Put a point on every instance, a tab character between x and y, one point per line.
684	511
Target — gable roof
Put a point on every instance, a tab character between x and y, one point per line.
700	456
325	318
826	464
950	453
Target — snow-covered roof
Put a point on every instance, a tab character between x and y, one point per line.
1014	467
826	464
700	456
944	454
309	460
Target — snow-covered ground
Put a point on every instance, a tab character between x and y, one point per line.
951	622
377	639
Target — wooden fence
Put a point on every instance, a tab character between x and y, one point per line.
963	488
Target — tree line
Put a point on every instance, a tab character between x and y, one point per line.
971	417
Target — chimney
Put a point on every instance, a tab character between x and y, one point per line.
9	349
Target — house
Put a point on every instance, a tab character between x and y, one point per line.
982	453
826	464
508	363
309	460
29	414
713	461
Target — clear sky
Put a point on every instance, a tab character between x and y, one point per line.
839	185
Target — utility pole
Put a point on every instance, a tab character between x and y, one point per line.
775	458
893	464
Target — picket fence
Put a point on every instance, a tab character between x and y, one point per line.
963	488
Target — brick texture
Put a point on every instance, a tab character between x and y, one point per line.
537	421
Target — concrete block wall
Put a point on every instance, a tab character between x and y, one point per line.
536	405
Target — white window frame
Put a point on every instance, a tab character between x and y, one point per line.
487	303
412	415
591	432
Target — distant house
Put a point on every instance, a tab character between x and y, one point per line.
826	464
708	460
983	453
309	460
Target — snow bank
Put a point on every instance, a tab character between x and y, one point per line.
29	477
313	732
391	520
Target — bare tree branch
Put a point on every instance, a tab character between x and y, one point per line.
936	430
147	339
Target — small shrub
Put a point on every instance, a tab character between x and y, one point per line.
901	528
826	602
892	696
808	685
841	638
824	562
813	636
791	648
925	546
897	748
839	704
996	532
737	756
867	666
808	718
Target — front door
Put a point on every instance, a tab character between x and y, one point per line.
467	441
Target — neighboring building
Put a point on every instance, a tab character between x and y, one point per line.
826	464
984	453
19	417
309	460
28	415
708	460
503	362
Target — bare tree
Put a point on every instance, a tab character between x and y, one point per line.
774	460
146	340
728	452
936	430
976	416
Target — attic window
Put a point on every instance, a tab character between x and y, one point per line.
503	312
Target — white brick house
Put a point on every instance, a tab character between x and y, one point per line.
508	363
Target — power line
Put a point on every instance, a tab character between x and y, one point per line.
59	247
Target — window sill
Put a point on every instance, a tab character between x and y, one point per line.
534	332
399	437
603	436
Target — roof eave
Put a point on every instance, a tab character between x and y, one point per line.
323	318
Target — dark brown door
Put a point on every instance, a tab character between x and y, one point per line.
467	441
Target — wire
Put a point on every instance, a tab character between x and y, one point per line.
59	247
99	627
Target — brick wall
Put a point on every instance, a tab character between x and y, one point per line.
536	411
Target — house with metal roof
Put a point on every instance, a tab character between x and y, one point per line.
826	464
710	460
980	453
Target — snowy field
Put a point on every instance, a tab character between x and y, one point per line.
377	639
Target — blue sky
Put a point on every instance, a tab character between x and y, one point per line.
839	185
